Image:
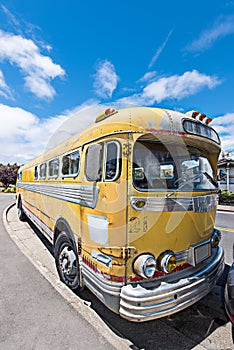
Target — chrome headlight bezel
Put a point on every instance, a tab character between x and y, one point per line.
166	261
144	265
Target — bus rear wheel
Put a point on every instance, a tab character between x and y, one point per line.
67	262
20	211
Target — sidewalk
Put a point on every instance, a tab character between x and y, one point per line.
85	317
229	208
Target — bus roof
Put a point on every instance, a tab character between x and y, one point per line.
138	120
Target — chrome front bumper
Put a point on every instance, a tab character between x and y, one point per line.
141	303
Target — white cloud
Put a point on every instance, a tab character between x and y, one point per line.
147	77
39	86
17	133
160	50
24	136
222	27
5	91
224	125
173	87
178	86
106	79
11	18
38	69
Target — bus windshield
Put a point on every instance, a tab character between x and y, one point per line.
159	166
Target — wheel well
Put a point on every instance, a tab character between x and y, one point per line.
60	226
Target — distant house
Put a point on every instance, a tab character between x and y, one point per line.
226	172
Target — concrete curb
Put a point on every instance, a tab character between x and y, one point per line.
79	305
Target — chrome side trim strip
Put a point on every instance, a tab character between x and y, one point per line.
197	204
182	255
79	194
41	225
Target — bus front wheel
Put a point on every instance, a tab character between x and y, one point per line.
66	260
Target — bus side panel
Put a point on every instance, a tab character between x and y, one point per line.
104	228
31	200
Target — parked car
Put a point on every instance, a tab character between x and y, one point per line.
229	293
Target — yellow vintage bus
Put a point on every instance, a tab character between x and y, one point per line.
129	205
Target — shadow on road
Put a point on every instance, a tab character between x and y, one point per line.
183	330
40	235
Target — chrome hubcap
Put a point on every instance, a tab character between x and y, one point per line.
67	261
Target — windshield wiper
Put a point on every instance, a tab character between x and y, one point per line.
208	176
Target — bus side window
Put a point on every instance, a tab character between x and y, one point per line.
54	168
71	164
20	175
36	173
93	165
42	171
112	161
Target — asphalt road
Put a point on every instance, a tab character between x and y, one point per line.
225	222
34	316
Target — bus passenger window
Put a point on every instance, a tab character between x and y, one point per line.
54	168
70	164
36	173
112	161
42	171
93	168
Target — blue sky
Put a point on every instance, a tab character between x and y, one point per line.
59	58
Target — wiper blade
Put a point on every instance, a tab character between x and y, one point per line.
208	176
184	184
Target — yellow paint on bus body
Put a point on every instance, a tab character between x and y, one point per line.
109	229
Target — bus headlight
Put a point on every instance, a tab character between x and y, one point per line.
215	238
166	261
144	265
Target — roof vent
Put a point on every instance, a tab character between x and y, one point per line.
108	112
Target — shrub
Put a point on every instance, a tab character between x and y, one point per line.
10	189
226	197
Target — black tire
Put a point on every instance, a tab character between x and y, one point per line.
67	262
20	211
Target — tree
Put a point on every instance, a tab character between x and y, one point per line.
8	174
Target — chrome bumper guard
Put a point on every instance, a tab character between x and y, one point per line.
139	303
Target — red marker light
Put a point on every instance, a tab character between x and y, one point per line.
208	120
202	116
195	114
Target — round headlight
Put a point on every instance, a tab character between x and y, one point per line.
166	261
144	265
215	238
